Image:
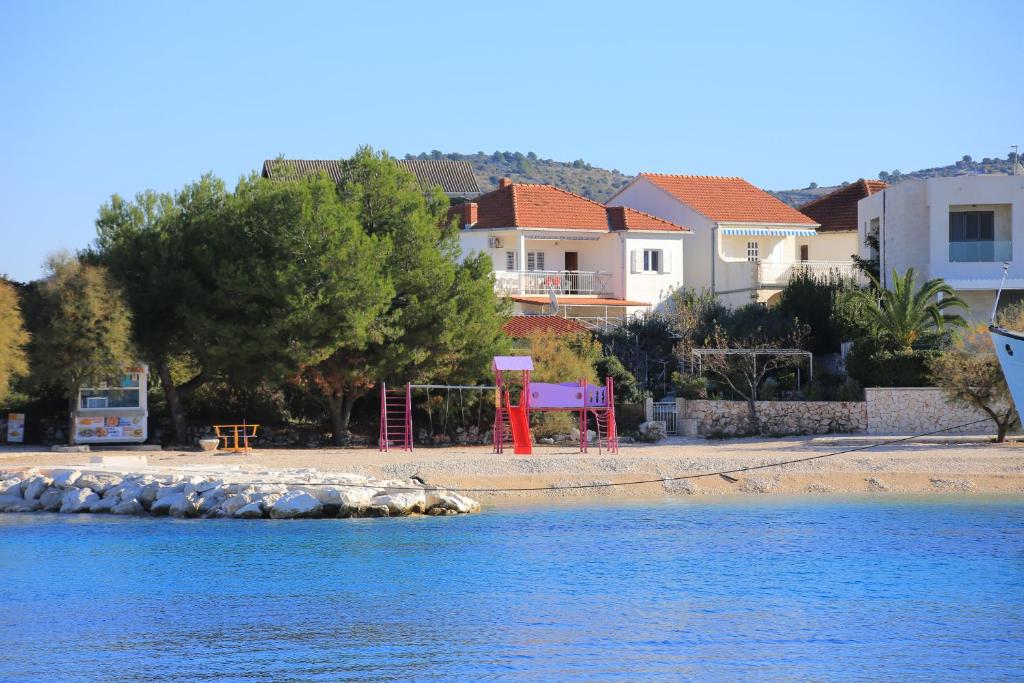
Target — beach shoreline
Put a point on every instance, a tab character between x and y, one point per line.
946	467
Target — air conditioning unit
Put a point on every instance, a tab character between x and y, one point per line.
494	242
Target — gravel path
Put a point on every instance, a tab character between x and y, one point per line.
943	467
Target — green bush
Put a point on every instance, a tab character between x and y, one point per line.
691	387
884	369
628	417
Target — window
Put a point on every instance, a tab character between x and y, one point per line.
872	232
972	237
117	392
805	252
510	260
971	226
753	251
535	260
652	260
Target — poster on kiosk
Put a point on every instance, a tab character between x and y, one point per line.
115	410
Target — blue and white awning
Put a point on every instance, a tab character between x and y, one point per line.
770	232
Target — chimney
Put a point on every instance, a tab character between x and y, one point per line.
466	213
505	182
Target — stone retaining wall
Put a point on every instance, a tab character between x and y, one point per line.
911	410
905	410
727	418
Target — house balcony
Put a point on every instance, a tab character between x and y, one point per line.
980	251
562	282
778	275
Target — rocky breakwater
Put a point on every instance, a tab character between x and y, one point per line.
291	496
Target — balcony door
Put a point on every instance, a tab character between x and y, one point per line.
572	264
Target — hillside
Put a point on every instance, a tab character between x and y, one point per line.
599	184
576	176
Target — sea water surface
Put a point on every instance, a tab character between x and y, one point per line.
862	589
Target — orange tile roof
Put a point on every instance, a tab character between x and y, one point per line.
625	218
728	199
521	205
837	211
578	301
520	326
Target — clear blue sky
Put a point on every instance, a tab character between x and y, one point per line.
100	97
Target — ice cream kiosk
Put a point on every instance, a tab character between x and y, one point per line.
115	410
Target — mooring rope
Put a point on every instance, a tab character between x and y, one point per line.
638	482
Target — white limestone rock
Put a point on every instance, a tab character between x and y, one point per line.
295	504
129	490
162	506
104	504
655	430
451	501
168	491
11	487
345	498
402	503
35	487
232	504
148	494
78	500
51	499
210	500
97	482
251	511
183	505
18	504
345	479
205	486
128	507
65	478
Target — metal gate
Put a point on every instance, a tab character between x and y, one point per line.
666	412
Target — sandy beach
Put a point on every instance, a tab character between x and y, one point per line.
963	465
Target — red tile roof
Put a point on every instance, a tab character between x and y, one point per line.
625	218
837	211
520	326
728	199
521	205
578	301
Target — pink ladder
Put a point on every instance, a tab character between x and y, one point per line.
604	419
395	418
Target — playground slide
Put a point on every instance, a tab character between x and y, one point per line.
519	420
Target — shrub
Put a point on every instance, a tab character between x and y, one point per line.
885	369
692	387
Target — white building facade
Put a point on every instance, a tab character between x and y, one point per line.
961	229
746	244
548	246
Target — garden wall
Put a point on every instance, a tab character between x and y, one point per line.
904	410
727	418
912	410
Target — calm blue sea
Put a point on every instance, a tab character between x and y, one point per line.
862	589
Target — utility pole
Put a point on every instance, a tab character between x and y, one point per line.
1016	160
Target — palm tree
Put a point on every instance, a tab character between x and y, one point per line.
904	315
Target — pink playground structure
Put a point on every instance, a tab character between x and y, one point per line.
511	421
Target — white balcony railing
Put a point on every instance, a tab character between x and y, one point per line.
778	274
540	282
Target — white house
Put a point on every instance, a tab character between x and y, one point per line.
961	228
599	264
746	244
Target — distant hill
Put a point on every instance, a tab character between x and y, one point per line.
576	176
599	184
966	166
